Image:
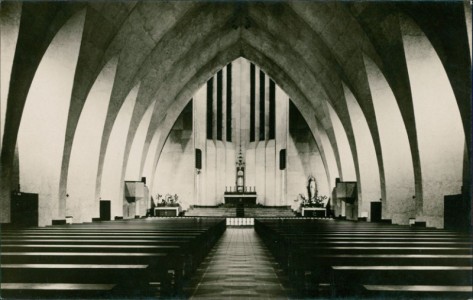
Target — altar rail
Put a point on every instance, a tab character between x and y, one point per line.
240	221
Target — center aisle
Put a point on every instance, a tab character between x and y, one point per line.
238	267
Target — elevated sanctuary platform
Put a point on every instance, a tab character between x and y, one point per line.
250	212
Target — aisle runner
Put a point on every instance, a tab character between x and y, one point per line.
239	267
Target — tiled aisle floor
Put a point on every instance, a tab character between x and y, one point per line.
238	267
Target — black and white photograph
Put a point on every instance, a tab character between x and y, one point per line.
236	149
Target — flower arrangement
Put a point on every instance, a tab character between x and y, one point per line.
317	201
167	200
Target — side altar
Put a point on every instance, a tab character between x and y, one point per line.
240	194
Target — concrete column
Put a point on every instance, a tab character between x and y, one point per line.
200	139
257	108
266	107
224	104
282	101
214	108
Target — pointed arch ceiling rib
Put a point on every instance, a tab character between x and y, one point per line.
171	48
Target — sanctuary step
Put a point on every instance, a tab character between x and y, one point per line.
249	212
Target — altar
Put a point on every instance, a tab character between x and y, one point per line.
167	211
240	194
236	197
314	212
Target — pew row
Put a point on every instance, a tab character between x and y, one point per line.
107	259
326	258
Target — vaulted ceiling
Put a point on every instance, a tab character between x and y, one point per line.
170	48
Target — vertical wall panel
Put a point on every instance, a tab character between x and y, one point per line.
369	188
229	102
40	141
219	105
252	103
272	109
440	133
113	161
399	204
262	104
200	138
83	203
209	108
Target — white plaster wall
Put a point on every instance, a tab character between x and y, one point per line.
175	168
210	175
369	188
250	168
230	169
296	175
136	152
199	114
270	173
399	205
329	155
305	160
83	203
260	172
151	154
9	26
220	171
282	104
241	92
346	156
113	161
439	129
44	119
320	174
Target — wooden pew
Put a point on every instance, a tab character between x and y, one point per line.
158	251
309	251
349	280
128	280
58	290
417	291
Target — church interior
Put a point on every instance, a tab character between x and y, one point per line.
235	149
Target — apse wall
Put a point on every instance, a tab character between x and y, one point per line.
215	110
175	169
40	139
259	124
439	129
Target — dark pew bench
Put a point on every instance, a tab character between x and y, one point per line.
127	280
58	290
417	292
349	280
318	266
308	250
142	244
